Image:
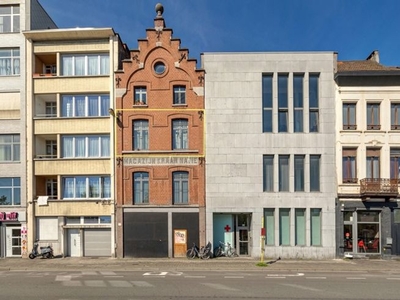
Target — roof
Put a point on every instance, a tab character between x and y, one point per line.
363	66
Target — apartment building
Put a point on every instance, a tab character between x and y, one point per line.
368	157
70	160
15	16
270	144
159	119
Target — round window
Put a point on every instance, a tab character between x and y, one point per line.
159	67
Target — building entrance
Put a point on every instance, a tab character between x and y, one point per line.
243	234
13	241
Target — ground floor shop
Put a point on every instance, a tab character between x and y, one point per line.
13	234
84	236
368	228
159	232
287	232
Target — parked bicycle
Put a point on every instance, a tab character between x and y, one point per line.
203	253
225	249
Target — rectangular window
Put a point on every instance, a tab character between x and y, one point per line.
180	187
140	187
180	139
81	187
299	173
349	160
85	105
395	164
9	18
313	95
9	147
373	164
85	146
349	116
298	102
373	121
283	103
10	191
268	173
179	95
85	65
283	173
51	149
51	188
267	102
140	135
315	227
269	217
315	162
394	116
284	226
9	61
300	226
140	95
51	109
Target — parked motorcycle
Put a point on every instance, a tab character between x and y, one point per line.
46	252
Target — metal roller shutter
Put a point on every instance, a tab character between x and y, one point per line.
97	242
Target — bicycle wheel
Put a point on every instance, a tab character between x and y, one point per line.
217	252
191	254
231	252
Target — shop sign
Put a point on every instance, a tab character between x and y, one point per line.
8	216
161	161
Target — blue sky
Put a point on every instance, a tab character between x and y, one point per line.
353	28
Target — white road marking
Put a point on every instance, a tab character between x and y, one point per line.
219	286
275	277
194	276
393	278
286	275
120	283
233	277
89	273
155	273
315	277
356	278
106	273
63	277
302	287
95	283
72	283
142	284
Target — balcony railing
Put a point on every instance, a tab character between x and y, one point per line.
370	187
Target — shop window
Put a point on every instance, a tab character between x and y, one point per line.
368	238
269	216
284	226
300	226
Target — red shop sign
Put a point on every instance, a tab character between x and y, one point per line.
9	216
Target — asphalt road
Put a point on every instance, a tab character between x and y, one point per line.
221	285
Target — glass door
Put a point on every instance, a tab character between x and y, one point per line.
243	234
13	244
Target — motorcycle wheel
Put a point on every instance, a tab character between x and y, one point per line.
31	256
191	254
47	255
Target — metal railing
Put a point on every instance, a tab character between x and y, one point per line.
379	186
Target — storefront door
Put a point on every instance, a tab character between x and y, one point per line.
13	241
243	234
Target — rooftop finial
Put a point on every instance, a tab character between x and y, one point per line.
159	10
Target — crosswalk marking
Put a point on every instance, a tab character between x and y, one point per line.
63	277
107	273
141	284
95	283
119	283
89	273
73	283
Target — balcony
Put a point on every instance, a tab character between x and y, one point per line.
379	187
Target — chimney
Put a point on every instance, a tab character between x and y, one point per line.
374	56
159	23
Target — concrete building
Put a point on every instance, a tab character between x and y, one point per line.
160	151
368	157
15	16
70	160
270	144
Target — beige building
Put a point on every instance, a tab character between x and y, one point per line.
15	17
368	157
70	92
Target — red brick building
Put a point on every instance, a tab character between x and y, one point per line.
160	166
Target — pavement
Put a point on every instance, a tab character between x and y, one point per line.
215	264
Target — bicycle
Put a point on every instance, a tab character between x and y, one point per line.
225	249
203	253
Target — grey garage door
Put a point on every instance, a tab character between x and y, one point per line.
97	242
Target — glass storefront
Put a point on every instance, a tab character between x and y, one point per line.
361	231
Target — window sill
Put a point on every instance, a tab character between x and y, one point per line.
179	105
140	105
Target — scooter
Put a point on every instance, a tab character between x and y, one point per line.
46	252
